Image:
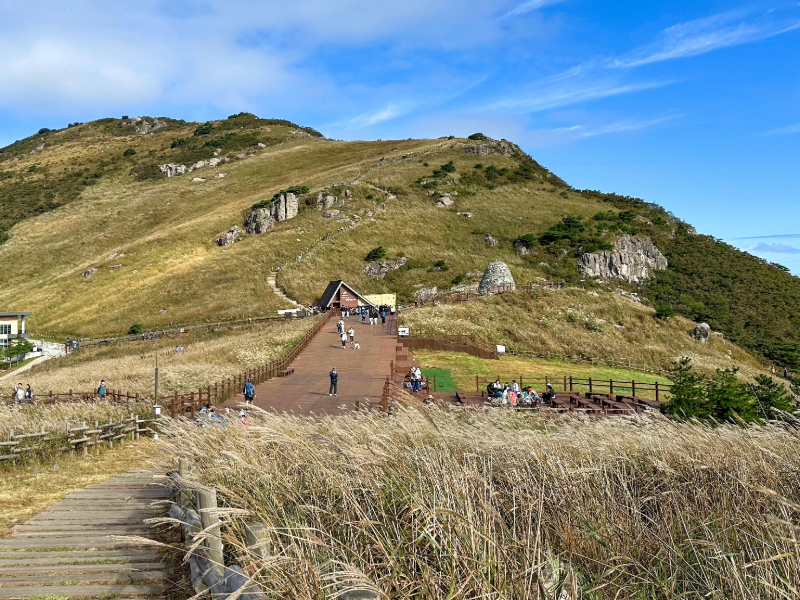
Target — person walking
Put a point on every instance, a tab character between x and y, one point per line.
352	335
249	391
383	317
101	389
334	382
344	340
363	316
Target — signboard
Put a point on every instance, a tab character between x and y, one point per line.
501	349
402	331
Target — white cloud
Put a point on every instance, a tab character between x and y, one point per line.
780	248
387	113
711	33
529	6
538	100
789	129
557	135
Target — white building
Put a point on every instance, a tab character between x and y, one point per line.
12	325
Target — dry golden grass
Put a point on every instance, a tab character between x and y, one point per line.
208	356
495	504
24	494
574	321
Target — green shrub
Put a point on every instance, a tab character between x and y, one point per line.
125	117
204	129
772	396
457	279
44	130
146	172
448	167
529	239
664	311
129	152
135	329
178	142
440	265
476	136
478	166
376	254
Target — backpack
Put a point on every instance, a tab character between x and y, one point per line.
248	389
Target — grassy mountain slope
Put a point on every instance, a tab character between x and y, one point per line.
101	203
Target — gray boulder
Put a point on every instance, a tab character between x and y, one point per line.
329	201
90	272
633	259
259	221
497	275
172	170
330	214
490	240
444	201
477	150
468	215
284	207
378	270
701	332
522	248
426	294
233	235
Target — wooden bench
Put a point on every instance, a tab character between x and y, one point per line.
640	401
286	372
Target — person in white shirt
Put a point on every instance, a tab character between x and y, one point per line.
352	335
344	341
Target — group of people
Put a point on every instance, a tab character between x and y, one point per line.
208	416
22	394
514	395
415	375
340	328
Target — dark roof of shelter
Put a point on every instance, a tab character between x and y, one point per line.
330	293
15	314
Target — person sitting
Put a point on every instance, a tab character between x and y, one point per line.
550	394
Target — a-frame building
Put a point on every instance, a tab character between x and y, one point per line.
340	295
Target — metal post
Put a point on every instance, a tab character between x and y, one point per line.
633	389
656	391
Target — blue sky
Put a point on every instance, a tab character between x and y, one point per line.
693	105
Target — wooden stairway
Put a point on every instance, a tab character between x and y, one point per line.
66	550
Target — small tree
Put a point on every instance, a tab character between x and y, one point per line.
727	395
688	394
129	152
476	136
17	349
376	254
771	396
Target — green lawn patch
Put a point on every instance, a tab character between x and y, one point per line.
444	380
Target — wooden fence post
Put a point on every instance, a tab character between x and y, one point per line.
590	385
656	391
206	500
570	383
633	389
257	540
610	387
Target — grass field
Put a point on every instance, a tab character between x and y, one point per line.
457	371
466	504
574	321
209	356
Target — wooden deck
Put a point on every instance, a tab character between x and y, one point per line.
67	549
362	373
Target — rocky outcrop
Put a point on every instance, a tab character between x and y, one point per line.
497	275
490	240
522	248
233	235
330	214
701	332
490	146
172	170
259	221
90	272
198	180
477	150
378	270
284	207
468	215
633	259
444	201
426	294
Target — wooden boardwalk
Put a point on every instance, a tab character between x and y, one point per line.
362	373
66	550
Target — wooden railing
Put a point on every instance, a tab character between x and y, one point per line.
189	404
577	384
51	397
78	438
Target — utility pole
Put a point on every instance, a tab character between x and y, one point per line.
156	390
